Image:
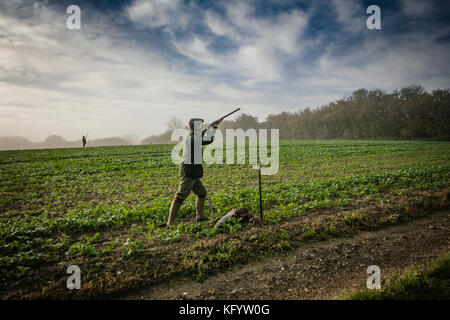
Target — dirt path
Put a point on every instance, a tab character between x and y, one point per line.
322	270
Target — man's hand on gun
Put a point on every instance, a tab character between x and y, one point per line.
216	123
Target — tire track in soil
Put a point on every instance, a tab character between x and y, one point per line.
321	270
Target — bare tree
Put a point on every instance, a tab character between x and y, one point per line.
175	123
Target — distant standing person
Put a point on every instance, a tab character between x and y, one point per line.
84	139
191	169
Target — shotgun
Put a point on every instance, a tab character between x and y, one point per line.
215	123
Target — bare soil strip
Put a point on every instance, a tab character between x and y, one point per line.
323	270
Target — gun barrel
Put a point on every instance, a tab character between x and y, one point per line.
229	114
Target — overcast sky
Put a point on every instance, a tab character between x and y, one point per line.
135	64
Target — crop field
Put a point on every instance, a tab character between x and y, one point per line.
105	208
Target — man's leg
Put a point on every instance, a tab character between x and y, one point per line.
199	204
200	192
185	187
174	207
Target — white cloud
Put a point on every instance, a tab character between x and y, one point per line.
218	26
350	14
384	63
106	82
97	79
158	13
261	44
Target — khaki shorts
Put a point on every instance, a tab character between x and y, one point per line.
187	185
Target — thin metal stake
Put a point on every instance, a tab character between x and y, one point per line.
258	167
260	196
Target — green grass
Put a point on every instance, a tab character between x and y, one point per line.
61	206
429	283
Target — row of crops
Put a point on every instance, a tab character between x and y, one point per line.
56	204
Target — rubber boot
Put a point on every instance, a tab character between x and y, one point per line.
174	207
199	204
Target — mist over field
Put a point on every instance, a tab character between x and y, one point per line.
405	114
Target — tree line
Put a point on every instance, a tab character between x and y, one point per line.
408	113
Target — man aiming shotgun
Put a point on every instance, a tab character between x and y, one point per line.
84	140
191	169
